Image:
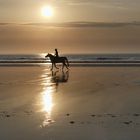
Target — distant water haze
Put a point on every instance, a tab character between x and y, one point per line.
70	38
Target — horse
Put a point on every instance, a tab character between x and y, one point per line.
55	60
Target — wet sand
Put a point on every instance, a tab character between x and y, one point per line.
83	103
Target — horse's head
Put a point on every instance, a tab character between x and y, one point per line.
47	55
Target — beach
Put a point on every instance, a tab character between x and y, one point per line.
83	103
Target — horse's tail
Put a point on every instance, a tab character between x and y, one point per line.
67	61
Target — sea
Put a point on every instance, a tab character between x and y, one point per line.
74	59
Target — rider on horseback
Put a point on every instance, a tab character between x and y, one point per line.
56	53
57	59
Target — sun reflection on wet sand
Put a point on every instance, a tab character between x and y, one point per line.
49	82
47	105
47	100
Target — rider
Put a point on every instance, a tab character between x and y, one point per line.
56	53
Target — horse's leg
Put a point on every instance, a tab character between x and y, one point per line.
66	60
66	63
66	66
55	66
52	66
63	65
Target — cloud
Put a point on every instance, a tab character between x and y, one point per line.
77	24
117	4
103	2
19	2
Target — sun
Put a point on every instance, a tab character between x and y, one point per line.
47	11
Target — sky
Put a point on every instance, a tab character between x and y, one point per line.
32	39
99	32
70	10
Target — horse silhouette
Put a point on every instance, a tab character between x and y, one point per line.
55	60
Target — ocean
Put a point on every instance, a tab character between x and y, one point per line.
74	59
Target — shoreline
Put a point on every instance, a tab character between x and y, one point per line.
99	64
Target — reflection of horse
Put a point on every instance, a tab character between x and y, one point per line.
58	77
55	60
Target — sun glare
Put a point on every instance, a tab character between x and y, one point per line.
47	100
47	11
